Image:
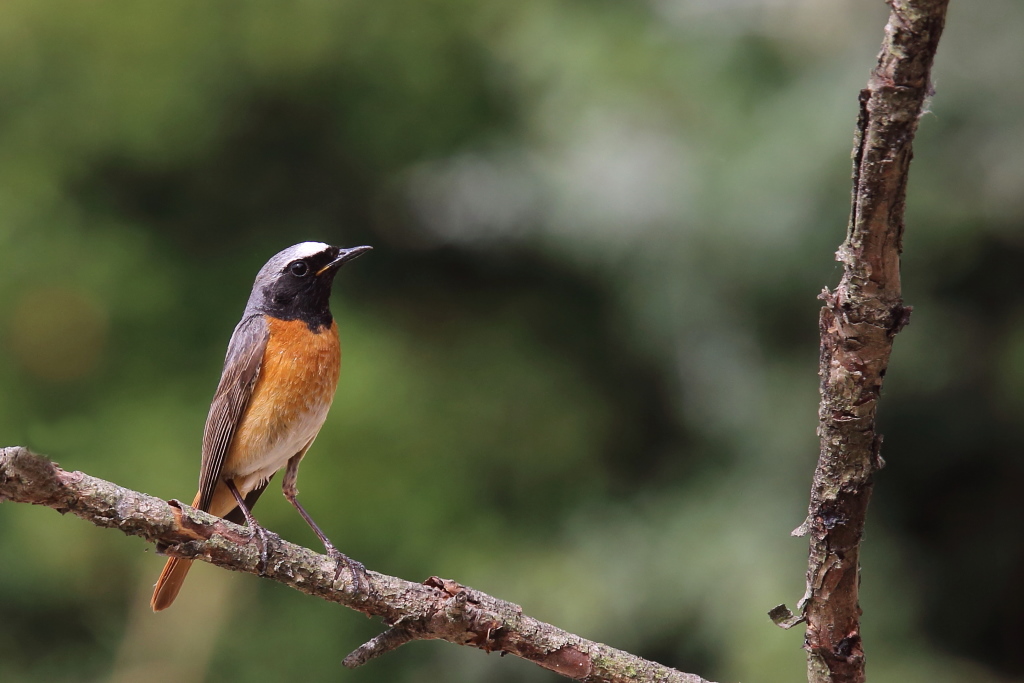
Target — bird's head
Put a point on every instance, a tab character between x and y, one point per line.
296	282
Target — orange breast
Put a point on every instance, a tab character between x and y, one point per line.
289	402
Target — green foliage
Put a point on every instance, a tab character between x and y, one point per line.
579	366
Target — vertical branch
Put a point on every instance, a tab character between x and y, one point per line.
858	322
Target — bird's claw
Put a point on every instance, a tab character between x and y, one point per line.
360	580
261	537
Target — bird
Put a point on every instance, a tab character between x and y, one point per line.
276	387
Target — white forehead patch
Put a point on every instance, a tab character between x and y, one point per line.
306	249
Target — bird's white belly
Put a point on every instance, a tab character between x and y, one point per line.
269	454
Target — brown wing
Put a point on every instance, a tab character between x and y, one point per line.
241	370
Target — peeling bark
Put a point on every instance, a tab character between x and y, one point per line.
858	322
438	609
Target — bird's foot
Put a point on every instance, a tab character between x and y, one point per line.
360	579
261	537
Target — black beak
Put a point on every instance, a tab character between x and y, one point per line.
344	255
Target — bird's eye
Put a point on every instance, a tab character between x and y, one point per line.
298	268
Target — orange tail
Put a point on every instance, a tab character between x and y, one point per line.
171	578
176	569
169	583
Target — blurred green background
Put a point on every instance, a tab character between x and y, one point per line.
580	365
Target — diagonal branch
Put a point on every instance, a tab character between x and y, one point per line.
437	609
857	324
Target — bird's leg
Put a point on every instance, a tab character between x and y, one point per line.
357	569
259	534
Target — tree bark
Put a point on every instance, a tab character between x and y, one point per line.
858	322
437	609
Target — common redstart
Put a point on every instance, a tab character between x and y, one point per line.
275	390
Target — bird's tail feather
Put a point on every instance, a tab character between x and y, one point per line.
169	583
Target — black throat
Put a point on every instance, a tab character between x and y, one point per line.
308	301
